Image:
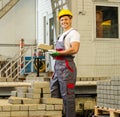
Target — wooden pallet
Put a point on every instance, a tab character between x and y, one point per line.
112	112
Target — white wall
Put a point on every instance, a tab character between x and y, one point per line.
44	9
19	22
95	58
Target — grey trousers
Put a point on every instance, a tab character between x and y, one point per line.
63	85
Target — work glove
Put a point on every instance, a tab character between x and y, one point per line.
54	54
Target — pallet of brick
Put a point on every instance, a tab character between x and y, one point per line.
112	112
108	93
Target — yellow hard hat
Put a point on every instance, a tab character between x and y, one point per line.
64	12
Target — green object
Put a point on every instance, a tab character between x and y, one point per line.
54	54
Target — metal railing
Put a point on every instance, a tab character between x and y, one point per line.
16	66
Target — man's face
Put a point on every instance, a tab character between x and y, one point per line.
65	22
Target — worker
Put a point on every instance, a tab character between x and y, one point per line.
64	77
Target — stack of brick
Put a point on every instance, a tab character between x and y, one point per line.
34	101
108	93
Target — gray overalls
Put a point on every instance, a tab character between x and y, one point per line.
63	80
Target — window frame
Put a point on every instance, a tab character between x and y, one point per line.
94	19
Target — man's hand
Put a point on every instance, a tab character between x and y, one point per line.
54	54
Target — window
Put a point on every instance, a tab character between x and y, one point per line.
51	30
44	26
107	22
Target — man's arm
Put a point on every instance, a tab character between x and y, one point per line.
72	50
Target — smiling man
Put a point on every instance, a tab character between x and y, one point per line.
64	77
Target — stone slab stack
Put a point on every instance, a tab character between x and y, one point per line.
33	101
108	93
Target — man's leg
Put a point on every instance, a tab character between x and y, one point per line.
54	87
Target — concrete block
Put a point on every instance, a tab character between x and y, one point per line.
41	106
22	89
46	90
14	93
36	113
6	108
46	95
55	113
21	94
14	100
42	78
58	107
30	101
33	107
33	90
52	101
15	107
33	96
49	107
39	85
5	114
19	113
23	107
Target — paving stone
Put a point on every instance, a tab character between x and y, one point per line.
14	100
6	108
15	107
41	106
58	107
22	89
30	101
19	113
49	107
46	90
24	107
46	95
33	90
5	114
55	113
36	113
31	95
21	94
39	85
14	93
52	101
33	107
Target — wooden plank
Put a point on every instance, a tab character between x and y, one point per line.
112	112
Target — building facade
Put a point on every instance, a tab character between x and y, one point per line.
98	24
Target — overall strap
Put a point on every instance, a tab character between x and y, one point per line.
67	34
